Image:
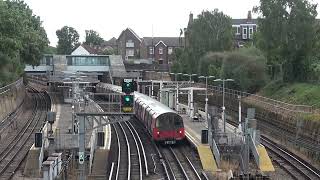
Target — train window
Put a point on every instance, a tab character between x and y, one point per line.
165	121
178	121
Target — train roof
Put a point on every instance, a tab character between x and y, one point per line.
155	105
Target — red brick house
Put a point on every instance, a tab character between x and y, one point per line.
160	49
129	44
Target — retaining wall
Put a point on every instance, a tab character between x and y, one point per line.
11	96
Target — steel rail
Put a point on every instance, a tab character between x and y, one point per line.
119	152
142	148
128	148
310	174
138	150
192	166
10	163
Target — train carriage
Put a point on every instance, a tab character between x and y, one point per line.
163	123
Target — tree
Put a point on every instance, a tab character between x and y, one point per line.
287	35
247	67
22	39
210	32
68	40
93	37
50	50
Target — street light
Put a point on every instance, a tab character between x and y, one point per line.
223	108
190	76
177	89
206	106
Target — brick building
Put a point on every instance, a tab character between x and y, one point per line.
160	49
129	44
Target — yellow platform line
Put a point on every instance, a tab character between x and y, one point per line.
265	163
206	157
207	160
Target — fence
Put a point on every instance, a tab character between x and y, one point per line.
264	101
11	97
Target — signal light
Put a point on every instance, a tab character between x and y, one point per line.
128	86
127	102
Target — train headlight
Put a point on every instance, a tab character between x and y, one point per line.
158	132
180	132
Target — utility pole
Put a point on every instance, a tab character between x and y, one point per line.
223	107
177	89
206	100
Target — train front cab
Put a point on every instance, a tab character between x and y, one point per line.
168	128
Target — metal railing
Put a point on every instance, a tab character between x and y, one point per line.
8	87
266	102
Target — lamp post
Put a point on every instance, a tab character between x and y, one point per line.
177	89
206	106
223	108
190	76
160	86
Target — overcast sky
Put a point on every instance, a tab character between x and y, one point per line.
110	17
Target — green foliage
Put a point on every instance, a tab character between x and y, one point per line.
110	51
22	39
210	32
247	68
295	93
287	35
211	64
93	37
50	50
68	40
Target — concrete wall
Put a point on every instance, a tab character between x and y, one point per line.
11	96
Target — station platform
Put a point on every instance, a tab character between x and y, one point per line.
193	134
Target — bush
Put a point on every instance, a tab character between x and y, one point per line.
247	68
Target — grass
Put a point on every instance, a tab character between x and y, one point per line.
294	93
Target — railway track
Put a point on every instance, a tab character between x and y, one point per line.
140	158
12	153
178	164
295	166
154	166
5	124
131	162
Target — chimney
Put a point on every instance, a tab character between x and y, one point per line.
190	18
249	17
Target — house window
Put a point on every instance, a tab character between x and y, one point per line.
160	50
244	33
129	52
170	50
150	50
250	32
238	30
129	43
